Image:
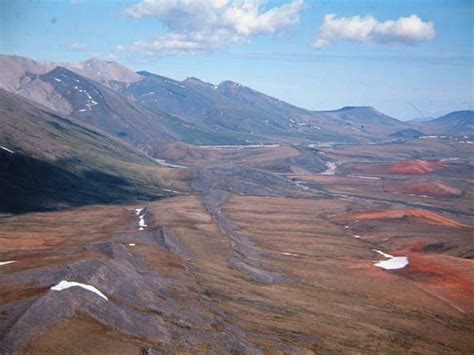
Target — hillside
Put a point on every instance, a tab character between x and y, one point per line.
455	123
48	161
95	104
242	115
226	120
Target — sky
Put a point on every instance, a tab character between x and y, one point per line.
407	58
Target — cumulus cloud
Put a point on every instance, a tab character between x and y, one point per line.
404	31
195	26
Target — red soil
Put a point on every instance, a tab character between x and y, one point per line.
432	189
448	278
418	214
409	167
415	245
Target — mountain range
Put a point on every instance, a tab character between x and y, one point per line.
142	107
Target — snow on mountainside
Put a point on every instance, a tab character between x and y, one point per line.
118	100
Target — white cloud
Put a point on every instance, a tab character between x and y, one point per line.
77	46
196	26
406	30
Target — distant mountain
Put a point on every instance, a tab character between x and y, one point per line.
203	105
457	118
348	123
455	123
359	122
104	72
100	106
143	107
242	115
13	68
48	161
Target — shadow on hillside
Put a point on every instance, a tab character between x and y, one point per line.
31	185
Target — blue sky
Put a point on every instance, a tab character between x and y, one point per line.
418	66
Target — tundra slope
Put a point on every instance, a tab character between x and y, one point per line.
50	161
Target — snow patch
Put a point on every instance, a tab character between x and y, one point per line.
382	253
7	262
131	244
57	79
289	254
169	165
301	184
67	284
330	168
364	177
141	219
393	262
8	150
172	191
398	262
141	222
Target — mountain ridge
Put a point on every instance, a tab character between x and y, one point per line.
454	123
143	106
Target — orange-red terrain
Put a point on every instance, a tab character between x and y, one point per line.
449	278
418	214
429	188
256	253
229	272
409	167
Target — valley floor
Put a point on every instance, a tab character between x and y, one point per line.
266	254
